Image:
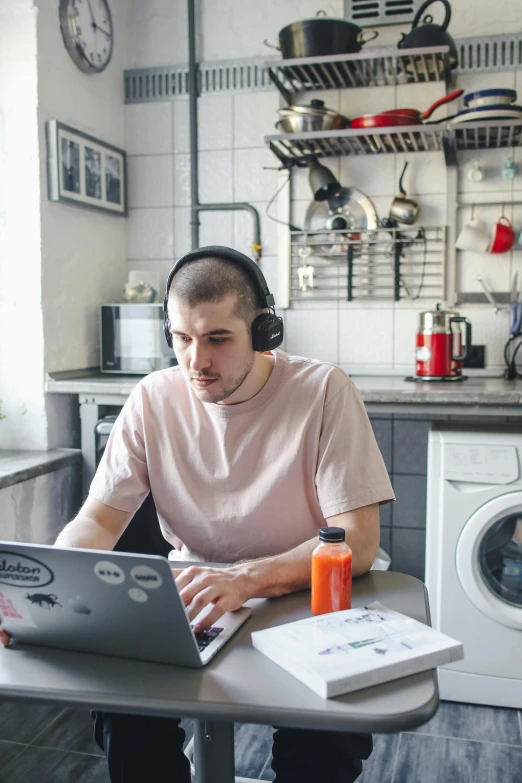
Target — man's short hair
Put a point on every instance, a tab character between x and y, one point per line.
211	280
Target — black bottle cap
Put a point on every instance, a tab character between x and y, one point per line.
333	534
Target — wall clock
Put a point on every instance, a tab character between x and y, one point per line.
87	33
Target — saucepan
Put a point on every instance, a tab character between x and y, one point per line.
404	209
321	36
395	117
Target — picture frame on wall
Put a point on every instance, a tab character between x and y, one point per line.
85	171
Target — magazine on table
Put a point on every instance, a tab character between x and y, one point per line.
345	651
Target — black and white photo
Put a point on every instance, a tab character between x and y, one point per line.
113	179
70	166
85	171
92	173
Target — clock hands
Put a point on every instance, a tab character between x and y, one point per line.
93	22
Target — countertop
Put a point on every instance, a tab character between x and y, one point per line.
375	389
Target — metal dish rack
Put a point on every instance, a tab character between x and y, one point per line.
449	137
377	68
387	264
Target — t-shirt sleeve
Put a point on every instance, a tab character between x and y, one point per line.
122	477
350	471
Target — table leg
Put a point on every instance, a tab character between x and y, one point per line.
89	415
213	751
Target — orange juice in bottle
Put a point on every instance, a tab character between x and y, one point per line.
331	572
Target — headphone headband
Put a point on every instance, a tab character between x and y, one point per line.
264	297
267	328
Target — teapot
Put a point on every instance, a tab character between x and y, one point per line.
430	34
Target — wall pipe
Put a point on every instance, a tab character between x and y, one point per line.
195	206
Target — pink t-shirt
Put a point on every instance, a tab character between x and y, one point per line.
247	480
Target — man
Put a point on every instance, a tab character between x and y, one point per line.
247	454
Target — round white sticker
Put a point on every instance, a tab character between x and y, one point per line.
146	577
109	572
138	595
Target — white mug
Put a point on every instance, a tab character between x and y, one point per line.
473	238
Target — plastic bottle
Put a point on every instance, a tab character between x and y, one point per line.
331	572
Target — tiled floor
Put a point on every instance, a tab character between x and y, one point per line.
462	743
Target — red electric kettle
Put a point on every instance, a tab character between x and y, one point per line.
440	345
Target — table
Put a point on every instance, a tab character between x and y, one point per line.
239	684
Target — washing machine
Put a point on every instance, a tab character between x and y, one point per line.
474	559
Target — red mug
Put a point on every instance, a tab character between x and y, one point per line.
502	236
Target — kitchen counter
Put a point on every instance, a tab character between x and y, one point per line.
487	398
375	389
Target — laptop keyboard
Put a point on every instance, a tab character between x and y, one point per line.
203	638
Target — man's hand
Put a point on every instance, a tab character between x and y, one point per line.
226	589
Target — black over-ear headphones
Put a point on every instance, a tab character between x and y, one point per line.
267	329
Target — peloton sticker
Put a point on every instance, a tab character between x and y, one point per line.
146	577
23	571
138	595
109	572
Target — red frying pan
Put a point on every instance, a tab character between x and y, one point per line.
401	116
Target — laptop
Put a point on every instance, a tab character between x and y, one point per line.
111	603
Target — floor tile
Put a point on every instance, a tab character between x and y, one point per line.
72	730
9	751
252	747
426	759
380	765
474	722
41	765
22	722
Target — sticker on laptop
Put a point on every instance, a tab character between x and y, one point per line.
109	572
44	600
13	609
18	570
138	595
78	606
146	577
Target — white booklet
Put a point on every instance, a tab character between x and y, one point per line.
345	651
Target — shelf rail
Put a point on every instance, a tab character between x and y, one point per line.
385	264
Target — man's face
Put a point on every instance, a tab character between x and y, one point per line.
213	347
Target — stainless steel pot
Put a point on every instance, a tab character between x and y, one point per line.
314	116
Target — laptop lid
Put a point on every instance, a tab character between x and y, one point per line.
113	603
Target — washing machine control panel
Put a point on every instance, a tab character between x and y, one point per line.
481	464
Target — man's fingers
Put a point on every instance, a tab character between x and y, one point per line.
212	617
5	638
200	601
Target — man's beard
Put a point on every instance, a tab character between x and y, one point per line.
233	384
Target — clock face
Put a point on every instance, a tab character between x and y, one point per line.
87	33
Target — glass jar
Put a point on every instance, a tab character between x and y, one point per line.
331	572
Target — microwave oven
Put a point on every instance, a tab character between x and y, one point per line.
132	340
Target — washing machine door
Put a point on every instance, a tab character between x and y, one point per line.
489	559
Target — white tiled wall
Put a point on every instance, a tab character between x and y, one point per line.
236	165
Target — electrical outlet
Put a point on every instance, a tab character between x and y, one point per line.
476	357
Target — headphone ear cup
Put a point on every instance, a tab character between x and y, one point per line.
267	332
166	325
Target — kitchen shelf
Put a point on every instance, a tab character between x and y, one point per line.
376	68
446	136
383	264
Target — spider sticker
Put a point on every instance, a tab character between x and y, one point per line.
48	601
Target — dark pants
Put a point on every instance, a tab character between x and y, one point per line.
140	748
